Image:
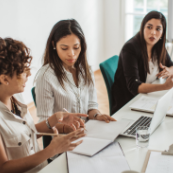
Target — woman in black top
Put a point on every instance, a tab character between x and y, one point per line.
134	67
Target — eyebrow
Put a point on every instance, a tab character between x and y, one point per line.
159	26
67	45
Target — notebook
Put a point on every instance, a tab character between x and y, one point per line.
99	134
148	104
156	162
110	160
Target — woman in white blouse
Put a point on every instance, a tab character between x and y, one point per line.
19	151
66	80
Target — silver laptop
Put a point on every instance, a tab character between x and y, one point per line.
158	117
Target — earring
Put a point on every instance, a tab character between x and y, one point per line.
160	38
54	48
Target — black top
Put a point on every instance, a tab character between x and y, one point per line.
130	73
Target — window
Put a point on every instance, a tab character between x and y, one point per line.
135	10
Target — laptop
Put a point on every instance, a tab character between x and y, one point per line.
158	117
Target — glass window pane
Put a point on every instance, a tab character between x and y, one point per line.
139	6
137	23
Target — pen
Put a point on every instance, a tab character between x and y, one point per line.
46	134
64	109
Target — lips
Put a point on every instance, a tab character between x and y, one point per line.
152	38
71	60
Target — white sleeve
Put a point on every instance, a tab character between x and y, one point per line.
44	97
92	103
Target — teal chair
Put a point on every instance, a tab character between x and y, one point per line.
108	69
46	139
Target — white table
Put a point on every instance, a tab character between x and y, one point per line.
161	139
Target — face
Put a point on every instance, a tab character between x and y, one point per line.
68	49
153	31
16	84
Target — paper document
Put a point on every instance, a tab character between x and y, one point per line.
148	104
159	163
110	160
99	134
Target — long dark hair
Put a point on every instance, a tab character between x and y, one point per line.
159	47
59	30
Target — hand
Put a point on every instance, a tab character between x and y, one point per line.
104	117
68	129
70	119
169	83
166	72
63	143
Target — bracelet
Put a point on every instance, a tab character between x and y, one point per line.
47	123
95	115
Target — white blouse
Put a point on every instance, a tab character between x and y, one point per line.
154	70
51	97
19	134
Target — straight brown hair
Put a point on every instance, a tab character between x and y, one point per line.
59	30
159	47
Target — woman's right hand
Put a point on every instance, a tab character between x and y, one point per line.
63	143
169	83
70	119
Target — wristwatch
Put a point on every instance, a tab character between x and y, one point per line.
95	115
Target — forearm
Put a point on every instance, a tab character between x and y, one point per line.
92	112
27	163
147	88
42	126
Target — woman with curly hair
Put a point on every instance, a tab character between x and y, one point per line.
65	79
19	151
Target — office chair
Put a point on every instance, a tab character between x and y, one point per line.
46	139
108	69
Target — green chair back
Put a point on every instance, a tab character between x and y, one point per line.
33	95
108	69
46	139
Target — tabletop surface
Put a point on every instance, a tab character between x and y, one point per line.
161	139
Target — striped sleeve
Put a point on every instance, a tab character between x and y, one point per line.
92	103
44	97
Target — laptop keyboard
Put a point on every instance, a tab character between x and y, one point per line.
142	121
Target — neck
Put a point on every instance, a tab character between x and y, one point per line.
69	68
5	98
149	50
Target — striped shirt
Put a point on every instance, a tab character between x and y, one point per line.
51	97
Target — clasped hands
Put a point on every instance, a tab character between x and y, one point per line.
166	72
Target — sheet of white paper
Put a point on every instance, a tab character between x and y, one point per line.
91	146
110	160
159	163
145	103
102	130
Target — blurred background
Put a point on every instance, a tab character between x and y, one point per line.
107	25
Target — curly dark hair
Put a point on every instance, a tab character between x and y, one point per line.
14	57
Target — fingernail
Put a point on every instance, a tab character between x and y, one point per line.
82	129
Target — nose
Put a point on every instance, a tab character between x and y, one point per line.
71	52
153	31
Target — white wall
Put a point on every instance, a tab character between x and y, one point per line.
31	21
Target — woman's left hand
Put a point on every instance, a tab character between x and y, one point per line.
104	117
166	72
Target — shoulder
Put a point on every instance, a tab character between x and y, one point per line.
45	73
132	45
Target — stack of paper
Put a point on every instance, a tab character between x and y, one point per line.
110	160
148	104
